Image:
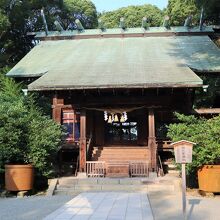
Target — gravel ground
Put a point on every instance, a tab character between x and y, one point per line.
30	208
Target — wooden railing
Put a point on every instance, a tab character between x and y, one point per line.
98	168
139	168
89	147
95	168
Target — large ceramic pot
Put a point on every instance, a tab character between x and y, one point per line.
209	178
19	177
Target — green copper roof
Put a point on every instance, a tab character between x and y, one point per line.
138	62
140	30
117	63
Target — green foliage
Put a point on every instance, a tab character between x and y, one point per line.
179	10
204	132
133	16
4	22
207	99
84	10
26	135
211	9
17	18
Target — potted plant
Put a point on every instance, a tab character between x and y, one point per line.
27	138
206	153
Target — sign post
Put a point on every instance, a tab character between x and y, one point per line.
183	155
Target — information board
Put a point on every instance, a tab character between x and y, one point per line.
183	154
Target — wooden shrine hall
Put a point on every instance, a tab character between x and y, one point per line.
115	90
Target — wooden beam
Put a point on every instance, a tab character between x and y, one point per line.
82	153
148	100
152	139
207	111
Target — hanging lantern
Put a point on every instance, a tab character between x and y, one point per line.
116	118
113	118
110	119
125	116
122	119
105	116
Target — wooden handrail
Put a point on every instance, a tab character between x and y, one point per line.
89	147
77	165
95	168
139	168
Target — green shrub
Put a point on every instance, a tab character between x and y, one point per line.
26	134
204	132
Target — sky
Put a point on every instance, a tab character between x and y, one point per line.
108	5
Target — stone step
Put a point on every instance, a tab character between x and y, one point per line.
120	147
120	157
105	187
127	152
74	181
122	151
72	185
121	154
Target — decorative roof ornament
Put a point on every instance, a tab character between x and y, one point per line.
122	23
145	25
44	21
79	25
201	19
101	25
58	26
188	22
166	22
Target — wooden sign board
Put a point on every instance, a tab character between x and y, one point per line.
183	154
183	151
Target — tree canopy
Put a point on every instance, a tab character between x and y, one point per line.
17	18
179	10
83	10
133	16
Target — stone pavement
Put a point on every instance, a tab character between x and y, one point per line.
105	206
169	207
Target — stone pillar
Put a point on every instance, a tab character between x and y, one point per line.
57	108
82	151
152	139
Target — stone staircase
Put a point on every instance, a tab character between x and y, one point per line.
121	161
120	153
74	185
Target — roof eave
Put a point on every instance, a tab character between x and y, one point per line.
147	86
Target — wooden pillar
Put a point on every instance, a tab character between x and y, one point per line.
57	108
152	139
82	152
142	127
99	129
